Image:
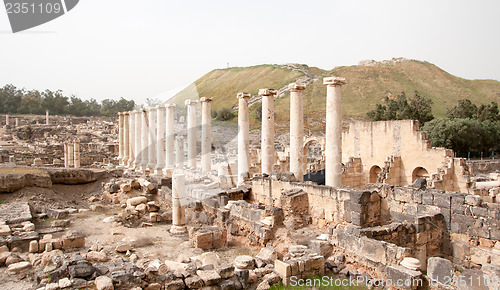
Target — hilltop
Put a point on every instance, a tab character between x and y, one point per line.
368	83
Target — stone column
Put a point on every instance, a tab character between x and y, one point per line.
178	211
131	139
17	122
137	139
120	137
126	138
179	152
191	132
66	157
77	154
267	142
243	136
7	121
296	130
160	139
152	139
47	117
169	141
144	140
71	155
333	164
206	135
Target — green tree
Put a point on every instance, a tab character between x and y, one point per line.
400	108
31	103
10	99
224	114
55	102
464	109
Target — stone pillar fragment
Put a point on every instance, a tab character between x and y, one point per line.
144	140
17	122
131	139
120	137
66	157
206	135
126	138
76	155
71	155
47	117
170	140
137	139
160	139
178	211
243	136
191	132
333	154
151	139
7	120
267	141
296	130
179	152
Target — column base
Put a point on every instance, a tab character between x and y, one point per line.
178	230
168	172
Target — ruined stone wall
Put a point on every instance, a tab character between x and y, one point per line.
478	167
377	143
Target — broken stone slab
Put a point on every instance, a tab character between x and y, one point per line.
5	230
136	200
209	277
439	269
74	176
399	273
123	248
15	212
54	213
18	267
18	178
82	269
210	258
60	223
95	256
267	254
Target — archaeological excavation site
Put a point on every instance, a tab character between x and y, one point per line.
164	197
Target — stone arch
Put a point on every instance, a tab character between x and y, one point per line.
375	170
307	144
418	173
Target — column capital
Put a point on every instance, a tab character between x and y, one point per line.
243	95
334	81
190	102
157	107
295	87
120	113
126	113
149	109
169	106
205	99
267	92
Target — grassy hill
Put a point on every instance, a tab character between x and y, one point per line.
367	86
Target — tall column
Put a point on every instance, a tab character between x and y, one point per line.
333	164
160	139
7	120
178	211
191	132
137	139
131	139
66	157
46	117
144	140
120	137
243	136
296	130
179	152
267	142
71	155
17	122
126	138
169	141
206	135
152	139
77	154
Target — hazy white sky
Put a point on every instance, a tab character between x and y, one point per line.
139	49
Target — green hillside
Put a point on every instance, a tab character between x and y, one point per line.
367	85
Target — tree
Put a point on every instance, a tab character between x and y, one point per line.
464	109
10	99
464	135
224	114
31	103
400	108
55	102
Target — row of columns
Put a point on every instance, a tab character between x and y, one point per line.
147	138
333	166
7	119
72	155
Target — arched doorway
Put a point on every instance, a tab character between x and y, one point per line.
418	173
374	172
313	156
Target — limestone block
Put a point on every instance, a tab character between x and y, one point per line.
142	208
209	277
136	200
244	262
73	240
19	267
439	269
95	256
4	230
400	273
33	248
267	254
104	283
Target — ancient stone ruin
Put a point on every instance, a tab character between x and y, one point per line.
149	201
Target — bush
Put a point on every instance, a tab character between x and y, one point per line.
224	114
